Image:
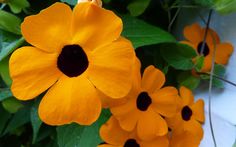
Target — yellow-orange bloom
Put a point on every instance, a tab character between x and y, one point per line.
189	117
115	136
195	35
76	55
96	2
146	104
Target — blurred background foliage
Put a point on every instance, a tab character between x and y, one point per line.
147	23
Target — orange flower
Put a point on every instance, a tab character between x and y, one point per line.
146	104
77	55
115	136
96	2
195	35
190	115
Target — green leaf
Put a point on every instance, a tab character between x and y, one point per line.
20	118
199	63
12	105
137	7
17	6
141	33
71	2
178	55
4	71
4	117
10	22
35	120
82	136
5	93
188	80
9	48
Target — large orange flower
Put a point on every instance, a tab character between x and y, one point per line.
195	35
146	104
115	136
77	55
189	117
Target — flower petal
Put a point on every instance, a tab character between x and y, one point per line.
186	95
50	29
194	128
32	71
151	125
127	114
153	79
70	100
193	33
110	68
164	101
198	110
157	142
94	27
112	128
223	53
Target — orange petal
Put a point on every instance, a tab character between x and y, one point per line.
151	125
207	64
186	95
50	29
153	79
157	142
198	110
112	128
70	100
127	114
110	68
185	139
94	27
32	71
212	37
194	128
223	52
164	101
193	33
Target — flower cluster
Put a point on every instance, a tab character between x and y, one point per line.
152	115
84	64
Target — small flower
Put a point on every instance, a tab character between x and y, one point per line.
190	115
76	55
115	136
147	104
195	35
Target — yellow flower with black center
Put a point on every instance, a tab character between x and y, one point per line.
195	35
147	103
190	115
76	55
114	136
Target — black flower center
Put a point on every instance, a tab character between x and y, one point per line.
186	113
131	143
72	60
143	101
205	51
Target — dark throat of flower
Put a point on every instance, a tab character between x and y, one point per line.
131	143
143	101
186	113
205	51
72	60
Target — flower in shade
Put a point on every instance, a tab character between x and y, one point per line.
146	105
76	55
114	136
189	115
195	36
